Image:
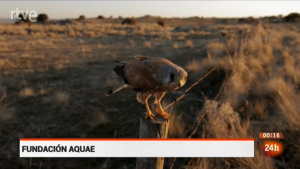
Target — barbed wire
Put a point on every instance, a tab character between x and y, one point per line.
187	90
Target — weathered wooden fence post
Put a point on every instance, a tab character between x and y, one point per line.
152	129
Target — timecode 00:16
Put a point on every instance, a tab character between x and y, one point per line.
269	135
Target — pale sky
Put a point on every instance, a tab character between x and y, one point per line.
72	9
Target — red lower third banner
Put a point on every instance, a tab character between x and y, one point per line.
136	147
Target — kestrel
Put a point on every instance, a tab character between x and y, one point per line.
149	76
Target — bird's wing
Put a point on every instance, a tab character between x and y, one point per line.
143	73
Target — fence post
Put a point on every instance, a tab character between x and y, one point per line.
152	129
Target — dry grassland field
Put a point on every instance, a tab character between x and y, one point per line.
53	77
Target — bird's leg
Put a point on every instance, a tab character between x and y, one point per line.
159	109
149	112
158	97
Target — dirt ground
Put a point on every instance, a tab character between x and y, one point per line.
53	78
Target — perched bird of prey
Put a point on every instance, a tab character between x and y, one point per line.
149	76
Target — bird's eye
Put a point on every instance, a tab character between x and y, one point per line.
172	77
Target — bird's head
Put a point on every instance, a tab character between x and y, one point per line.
176	77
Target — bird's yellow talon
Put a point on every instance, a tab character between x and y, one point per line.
150	115
157	110
162	113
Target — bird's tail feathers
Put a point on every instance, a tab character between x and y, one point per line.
116	88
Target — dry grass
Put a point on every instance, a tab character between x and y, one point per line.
26	92
176	126
181	37
262	91
175	46
189	44
221	121
147	44
193	66
99	118
216	49
54	85
60	98
6	113
91	29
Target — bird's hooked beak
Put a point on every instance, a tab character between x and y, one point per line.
181	83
